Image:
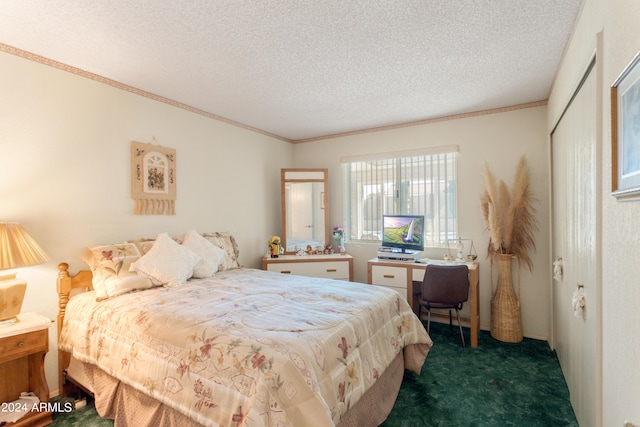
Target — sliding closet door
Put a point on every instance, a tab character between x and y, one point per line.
575	194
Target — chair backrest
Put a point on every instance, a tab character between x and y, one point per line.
446	284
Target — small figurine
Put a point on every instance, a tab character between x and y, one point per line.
309	250
274	246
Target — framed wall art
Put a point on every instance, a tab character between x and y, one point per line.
625	132
153	179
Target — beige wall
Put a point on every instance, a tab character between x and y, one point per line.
621	240
65	173
610	27
499	139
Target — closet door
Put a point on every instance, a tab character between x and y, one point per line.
575	198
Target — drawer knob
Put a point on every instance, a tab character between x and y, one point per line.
286	272
389	276
331	270
21	344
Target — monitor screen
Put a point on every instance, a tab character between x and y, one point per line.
403	231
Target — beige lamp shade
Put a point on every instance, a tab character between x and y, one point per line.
17	249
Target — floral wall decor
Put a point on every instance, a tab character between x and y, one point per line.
153	179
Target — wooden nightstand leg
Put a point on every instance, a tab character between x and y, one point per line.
37	379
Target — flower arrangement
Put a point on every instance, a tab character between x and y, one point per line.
509	217
338	233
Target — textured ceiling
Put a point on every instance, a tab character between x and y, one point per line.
301	69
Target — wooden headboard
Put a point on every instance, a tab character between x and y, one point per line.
67	283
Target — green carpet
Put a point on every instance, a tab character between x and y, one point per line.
84	417
497	384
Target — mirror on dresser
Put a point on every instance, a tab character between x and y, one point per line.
305	209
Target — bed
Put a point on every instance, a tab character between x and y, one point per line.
238	347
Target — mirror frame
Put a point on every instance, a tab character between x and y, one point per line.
288	175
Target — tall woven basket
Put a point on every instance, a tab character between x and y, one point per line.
506	320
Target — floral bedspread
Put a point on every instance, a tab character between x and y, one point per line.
247	347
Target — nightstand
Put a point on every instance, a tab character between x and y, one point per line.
23	347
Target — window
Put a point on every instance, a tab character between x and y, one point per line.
417	182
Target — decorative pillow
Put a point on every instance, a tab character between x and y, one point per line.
167	262
212	256
109	265
143	245
227	243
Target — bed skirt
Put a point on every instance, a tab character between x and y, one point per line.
128	406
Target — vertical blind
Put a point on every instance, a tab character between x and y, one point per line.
411	183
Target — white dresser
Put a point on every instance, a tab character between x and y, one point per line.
334	266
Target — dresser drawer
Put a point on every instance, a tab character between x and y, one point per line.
16	346
326	269
389	276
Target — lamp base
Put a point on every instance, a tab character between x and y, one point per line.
12	292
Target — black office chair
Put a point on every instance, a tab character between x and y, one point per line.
445	287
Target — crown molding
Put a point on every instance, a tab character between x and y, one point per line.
68	68
86	74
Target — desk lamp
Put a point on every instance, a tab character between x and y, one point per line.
17	249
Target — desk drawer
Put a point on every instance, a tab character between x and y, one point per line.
22	345
389	276
326	269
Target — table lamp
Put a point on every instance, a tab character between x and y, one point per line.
17	249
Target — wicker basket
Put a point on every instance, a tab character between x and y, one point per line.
506	320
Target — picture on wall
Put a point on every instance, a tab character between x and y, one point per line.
153	179
625	132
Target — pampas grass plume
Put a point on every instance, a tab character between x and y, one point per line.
510	216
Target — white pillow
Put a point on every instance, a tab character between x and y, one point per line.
212	256
167	262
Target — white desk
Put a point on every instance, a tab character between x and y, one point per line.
406	278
